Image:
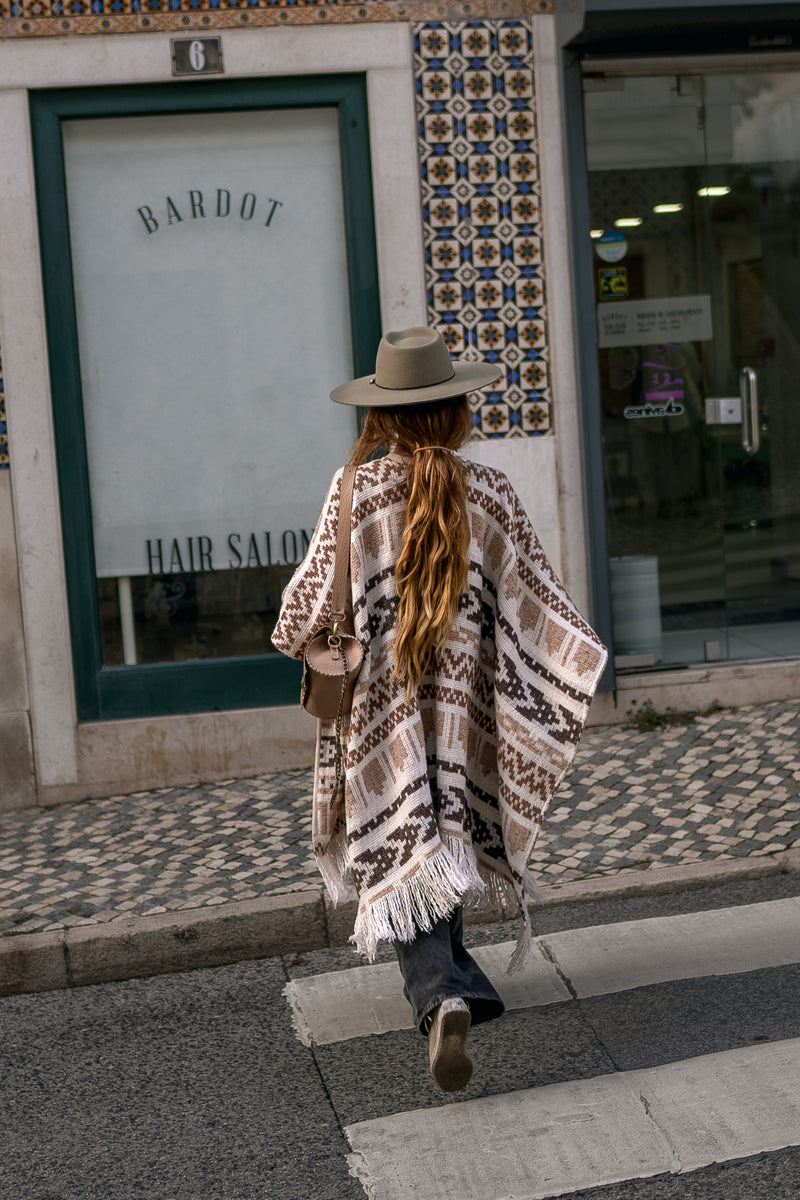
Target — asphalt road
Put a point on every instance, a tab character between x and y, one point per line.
197	1085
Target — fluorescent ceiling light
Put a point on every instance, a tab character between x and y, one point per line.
595	233
667	208
628	222
713	191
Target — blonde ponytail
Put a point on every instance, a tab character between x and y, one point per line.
431	569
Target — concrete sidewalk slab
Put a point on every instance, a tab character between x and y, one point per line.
143	946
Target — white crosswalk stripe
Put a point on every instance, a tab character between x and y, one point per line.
596	960
560	1138
551	1141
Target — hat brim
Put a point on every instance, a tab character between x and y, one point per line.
467	377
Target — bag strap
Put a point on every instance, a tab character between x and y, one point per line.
341	569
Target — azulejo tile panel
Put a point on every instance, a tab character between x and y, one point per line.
3	426
476	113
37	18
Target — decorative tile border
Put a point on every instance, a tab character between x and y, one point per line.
3	427
41	18
481	211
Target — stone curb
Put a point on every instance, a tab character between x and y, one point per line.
137	947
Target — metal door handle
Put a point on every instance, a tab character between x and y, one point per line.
748	390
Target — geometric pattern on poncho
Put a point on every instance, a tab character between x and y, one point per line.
447	791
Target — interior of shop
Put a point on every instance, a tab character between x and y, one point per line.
694	184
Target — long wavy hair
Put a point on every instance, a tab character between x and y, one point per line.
431	569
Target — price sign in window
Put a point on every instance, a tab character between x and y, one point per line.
213	315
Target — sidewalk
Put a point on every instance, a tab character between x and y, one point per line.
184	877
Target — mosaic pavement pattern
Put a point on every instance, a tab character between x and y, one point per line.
481	214
725	786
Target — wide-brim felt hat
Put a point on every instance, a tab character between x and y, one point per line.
414	366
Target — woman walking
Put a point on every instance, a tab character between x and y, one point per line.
477	678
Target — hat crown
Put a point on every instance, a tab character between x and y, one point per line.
412	358
413	366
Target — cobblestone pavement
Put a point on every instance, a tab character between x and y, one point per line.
724	786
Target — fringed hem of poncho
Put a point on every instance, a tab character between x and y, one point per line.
449	876
501	890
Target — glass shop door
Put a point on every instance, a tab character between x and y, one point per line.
694	185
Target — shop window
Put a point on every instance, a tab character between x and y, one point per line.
217	267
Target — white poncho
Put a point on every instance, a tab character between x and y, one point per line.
445	793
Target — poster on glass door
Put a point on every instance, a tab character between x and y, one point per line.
644	322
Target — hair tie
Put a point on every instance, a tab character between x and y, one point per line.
447	448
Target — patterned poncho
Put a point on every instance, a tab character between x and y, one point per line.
444	793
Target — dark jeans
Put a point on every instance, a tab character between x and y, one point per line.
436	965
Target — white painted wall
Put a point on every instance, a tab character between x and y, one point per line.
530	464
571	520
32	453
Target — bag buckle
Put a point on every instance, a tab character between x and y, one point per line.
335	619
334	637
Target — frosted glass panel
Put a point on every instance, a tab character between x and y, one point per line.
213	321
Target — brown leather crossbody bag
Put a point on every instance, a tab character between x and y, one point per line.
334	655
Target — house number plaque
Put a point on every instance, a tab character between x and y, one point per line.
196	56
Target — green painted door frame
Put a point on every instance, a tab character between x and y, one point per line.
103	692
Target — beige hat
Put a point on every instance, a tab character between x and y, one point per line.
413	366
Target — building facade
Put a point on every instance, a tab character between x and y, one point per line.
209	211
